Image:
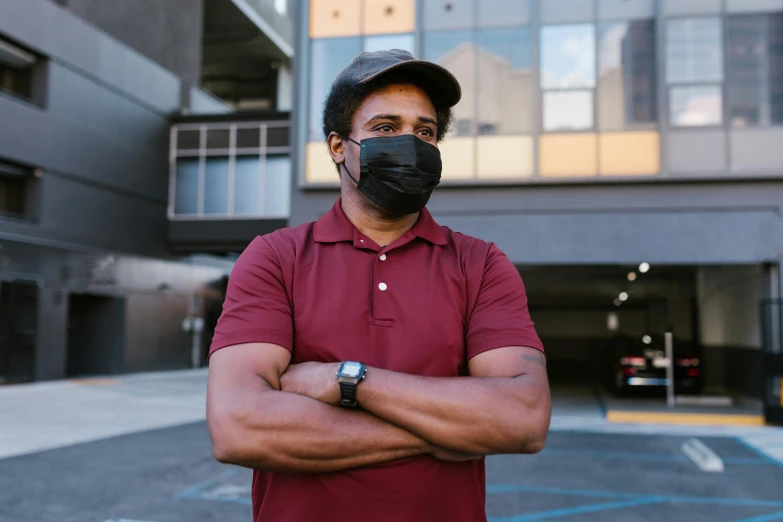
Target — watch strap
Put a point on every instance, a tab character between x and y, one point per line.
348	394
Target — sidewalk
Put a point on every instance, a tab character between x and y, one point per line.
40	416
36	417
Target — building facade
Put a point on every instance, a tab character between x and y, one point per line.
96	278
595	138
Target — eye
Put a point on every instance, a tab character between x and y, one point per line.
385	128
427	133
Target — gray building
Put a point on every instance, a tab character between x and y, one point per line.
97	278
627	155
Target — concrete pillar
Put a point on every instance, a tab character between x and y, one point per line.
51	339
285	88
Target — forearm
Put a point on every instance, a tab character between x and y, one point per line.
279	431
474	415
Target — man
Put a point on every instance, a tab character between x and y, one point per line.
366	363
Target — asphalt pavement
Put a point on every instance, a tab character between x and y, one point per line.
168	475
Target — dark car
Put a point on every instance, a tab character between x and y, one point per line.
641	364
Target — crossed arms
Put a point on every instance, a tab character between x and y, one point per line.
266	414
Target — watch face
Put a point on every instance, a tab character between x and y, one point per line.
352	369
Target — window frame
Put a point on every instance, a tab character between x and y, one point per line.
37	72
765	116
542	91
203	152
669	86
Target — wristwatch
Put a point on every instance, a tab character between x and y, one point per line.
349	376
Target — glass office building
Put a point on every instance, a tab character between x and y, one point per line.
594	136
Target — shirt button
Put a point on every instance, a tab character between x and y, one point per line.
383	257
382	287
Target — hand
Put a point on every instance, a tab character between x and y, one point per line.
445	455
313	379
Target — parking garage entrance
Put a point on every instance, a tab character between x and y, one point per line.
604	328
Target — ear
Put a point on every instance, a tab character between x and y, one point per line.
335	143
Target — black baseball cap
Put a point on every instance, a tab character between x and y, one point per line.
369	66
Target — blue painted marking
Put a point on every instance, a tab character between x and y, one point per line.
759	452
764	518
197	491
592	508
503	488
635	455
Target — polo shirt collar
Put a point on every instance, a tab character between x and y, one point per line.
335	227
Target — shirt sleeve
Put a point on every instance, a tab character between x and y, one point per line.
500	316
257	308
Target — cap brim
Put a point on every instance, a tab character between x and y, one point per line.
445	82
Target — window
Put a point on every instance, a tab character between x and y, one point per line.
244	170
503	13
694	71
698	105
755	70
505	81
448	14
17	68
456	51
627	78
406	42
327	58
568	76
14	181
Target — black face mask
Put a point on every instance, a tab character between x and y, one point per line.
398	172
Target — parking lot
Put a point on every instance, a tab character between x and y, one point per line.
136	448
168	475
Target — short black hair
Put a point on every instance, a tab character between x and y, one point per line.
345	99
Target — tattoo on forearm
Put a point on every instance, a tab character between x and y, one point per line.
537	358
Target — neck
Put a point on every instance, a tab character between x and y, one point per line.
374	222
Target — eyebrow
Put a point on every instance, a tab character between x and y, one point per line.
395	118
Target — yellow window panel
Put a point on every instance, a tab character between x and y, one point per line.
568	155
329	18
389	16
458	155
319	167
504	157
630	153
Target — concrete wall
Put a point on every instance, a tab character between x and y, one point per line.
167	32
100	137
661	223
729	305
730	327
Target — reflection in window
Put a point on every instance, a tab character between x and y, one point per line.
755	75
448	14
277	192
216	186
503	13
456	51
328	57
406	42
247	192
568	110
697	105
694	50
505	81
186	181
568	56
627	93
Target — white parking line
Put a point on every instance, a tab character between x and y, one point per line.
701	455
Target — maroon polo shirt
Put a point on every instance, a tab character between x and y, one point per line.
423	305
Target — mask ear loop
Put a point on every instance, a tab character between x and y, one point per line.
346	168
